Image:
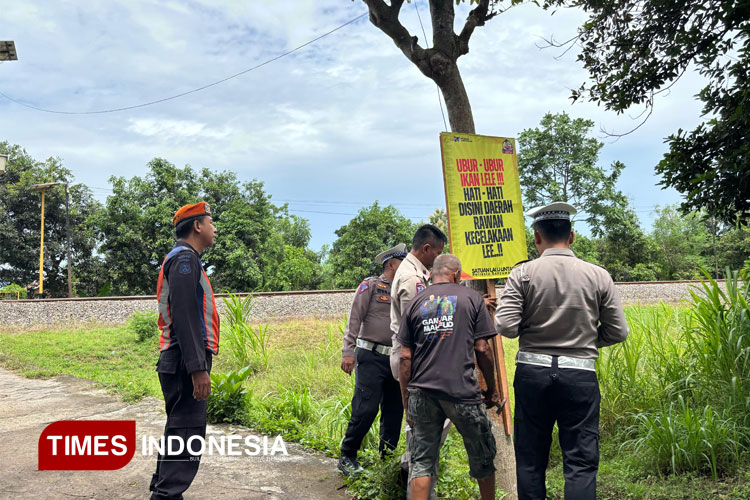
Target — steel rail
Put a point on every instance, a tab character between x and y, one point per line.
305	292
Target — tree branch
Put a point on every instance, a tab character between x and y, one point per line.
477	17
385	18
443	37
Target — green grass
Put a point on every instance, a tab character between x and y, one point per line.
303	395
109	356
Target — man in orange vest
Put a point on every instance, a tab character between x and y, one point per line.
189	324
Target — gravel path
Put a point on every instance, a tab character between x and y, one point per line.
17	315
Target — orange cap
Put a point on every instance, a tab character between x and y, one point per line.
189	212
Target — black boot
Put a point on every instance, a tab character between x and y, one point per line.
349	465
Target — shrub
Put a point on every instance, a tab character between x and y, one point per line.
17	291
248	346
227	402
144	325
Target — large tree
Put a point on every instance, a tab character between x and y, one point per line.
440	64
558	162
636	49
373	230
20	212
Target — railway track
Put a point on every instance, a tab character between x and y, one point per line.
307	292
20	315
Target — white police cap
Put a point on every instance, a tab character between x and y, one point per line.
397	252
556	210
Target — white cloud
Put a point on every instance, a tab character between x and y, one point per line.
346	119
167	129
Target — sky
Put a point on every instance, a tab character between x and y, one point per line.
329	129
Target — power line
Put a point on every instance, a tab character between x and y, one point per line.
217	82
337	213
440	101
334	202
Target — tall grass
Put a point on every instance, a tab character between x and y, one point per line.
678	438
248	346
720	341
677	390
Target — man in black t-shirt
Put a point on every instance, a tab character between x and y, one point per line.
442	329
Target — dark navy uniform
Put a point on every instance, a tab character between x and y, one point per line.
368	329
189	324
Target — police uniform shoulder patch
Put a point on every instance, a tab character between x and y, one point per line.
183	267
420	286
364	286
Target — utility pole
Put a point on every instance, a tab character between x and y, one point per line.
43	188
7	53
67	236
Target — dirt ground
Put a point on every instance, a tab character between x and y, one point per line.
27	406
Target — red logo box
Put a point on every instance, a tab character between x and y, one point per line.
87	445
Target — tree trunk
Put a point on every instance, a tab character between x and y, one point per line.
462	121
456	100
439	63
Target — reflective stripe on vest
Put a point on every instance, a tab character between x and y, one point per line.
205	300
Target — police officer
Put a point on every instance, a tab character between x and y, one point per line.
368	329
189	324
562	309
411	278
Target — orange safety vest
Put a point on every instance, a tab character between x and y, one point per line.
205	302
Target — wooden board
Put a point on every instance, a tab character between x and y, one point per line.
502	376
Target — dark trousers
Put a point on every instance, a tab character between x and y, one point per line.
374	387
186	417
570	397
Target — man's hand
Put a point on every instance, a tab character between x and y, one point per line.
347	364
491	399
405	401
201	385
490	302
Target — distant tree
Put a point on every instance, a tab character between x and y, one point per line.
586	248
137	231
636	49
558	162
20	212
300	270
530	245
373	230
439	218
625	250
733	247
682	242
